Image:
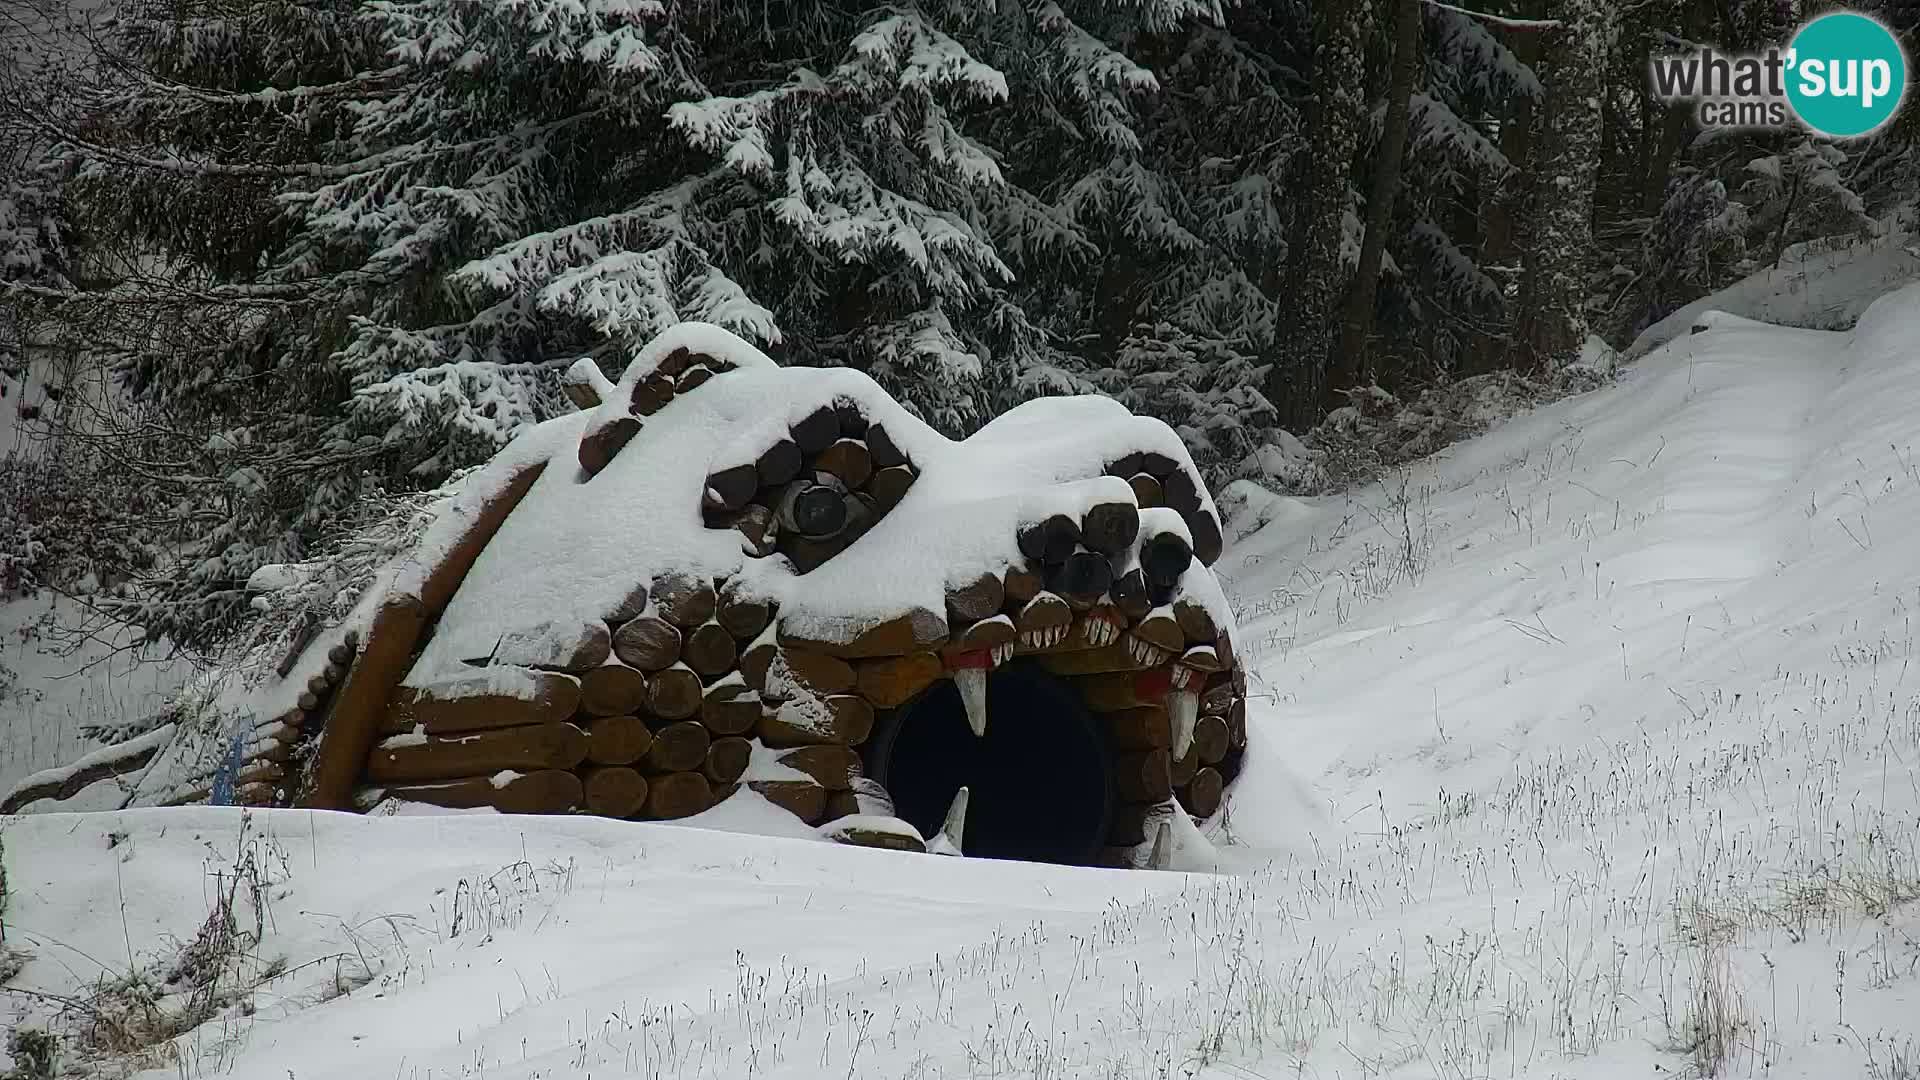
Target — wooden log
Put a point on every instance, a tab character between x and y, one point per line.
1129	592
1089	661
413	759
759	534
1210	739
803	799
917	630
809	555
1208	541
1143	728
1082	579
1182	492
1223	648
1202	794
613	791
1021	584
684	600
979	599
1050	540
847	459
675	362
677	795
727	759
892	682
259	775
602	442
477	702
779	463
630	607
710	650
881	448
1157	463
756	658
651	394
1164	557
1110	528
1200	658
674	693
860	835
730	707
817	431
648	643
612	690
889	485
730	489
617	740
1161	628
1237	725
853	422
308	700
843	719
340	655
543	791
832	767
1046	611
1218	695
805	672
691	379
840	804
862	512
677	748
1124	466
361	702
317	684
1196	622
1146	490
742	615
1145	777
985	634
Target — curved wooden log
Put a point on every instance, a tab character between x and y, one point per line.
818	431
847	459
1145	777
1210	739
1130	595
710	650
730	489
978	599
801	798
1146	490
881	448
601	443
834	768
843	719
544	791
413	759
1202	794
730	708
779	463
893	682
684	600
889	485
1110	528
743	616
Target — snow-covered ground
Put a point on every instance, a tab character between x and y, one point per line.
1614	755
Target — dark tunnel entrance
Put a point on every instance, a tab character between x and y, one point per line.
1040	782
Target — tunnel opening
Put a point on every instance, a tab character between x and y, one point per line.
1039	781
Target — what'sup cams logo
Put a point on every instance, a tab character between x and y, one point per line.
1843	75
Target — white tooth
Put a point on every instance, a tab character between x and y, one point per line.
1162	854
1006	652
1183	709
947	840
1030	638
973	694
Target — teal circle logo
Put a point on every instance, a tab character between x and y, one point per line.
1846	75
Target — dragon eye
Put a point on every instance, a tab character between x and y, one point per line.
815	510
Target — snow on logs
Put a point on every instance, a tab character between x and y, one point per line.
813	492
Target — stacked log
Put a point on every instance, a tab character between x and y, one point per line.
680	371
1159	480
813	492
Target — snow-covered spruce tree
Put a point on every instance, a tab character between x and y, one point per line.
368	236
1326	241
1559	247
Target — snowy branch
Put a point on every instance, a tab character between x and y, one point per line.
1501	21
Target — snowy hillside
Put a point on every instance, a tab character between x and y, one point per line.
1614	750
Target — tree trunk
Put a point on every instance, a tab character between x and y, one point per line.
1347	369
1554	324
1297	380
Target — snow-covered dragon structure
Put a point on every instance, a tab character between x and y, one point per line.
722	579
